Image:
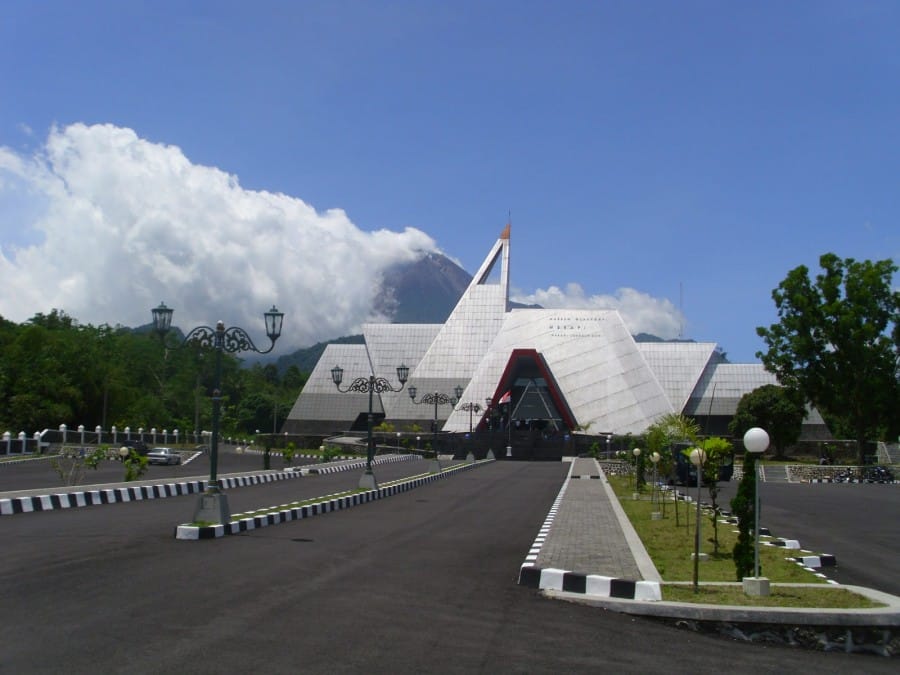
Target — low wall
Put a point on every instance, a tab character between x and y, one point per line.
806	473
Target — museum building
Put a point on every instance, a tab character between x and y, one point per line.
553	371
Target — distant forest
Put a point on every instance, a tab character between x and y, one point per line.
54	370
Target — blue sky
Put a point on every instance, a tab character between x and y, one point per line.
673	159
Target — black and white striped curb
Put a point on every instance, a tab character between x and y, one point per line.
589	584
552	579
280	453
731	520
532	556
816	561
68	500
192	533
359	464
809	562
812	564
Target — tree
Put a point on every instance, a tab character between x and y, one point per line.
837	343
743	507
718	452
664	433
775	409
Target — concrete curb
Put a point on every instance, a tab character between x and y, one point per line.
36	458
593	585
193	533
641	557
888	616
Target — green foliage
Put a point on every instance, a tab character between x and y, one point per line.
837	344
135	466
70	465
776	409
54	370
718	453
92	461
665	432
676	427
290	450
743	507
330	453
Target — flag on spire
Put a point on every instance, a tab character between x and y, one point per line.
506	398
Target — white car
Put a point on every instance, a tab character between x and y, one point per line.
164	456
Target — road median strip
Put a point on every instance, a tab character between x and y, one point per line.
75	498
313	507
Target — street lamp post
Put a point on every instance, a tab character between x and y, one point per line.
437	399
370	385
213	506
698	458
756	440
654	495
472	408
489	413
637	458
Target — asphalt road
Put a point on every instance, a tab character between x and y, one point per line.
856	523
40	473
420	582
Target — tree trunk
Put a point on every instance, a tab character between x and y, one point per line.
860	447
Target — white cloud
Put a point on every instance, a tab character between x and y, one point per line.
114	224
642	313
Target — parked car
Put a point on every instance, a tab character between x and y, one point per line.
164	456
138	446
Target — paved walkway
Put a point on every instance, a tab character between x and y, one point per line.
586	535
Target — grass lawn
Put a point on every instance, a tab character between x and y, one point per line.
670	543
818	597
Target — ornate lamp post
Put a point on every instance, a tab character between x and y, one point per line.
213	506
472	408
756	440
370	385
489	414
436	399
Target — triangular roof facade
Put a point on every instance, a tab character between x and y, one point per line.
596	374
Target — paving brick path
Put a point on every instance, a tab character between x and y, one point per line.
586	536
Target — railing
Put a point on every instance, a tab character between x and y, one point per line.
888	453
38	442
